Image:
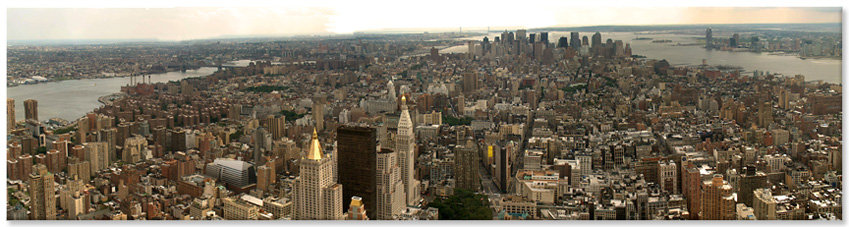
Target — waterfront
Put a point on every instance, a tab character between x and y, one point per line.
71	99
827	70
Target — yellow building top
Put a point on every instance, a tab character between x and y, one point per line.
315	152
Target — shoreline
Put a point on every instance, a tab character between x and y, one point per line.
100	77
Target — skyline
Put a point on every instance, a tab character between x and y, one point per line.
192	23
560	112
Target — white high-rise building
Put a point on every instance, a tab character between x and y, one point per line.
391	197
391	90
317	195
405	145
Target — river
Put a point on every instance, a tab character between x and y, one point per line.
71	99
827	70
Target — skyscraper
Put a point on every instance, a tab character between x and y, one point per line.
261	138
543	37
357	148
10	114
405	145
575	41
391	197
521	35
466	167
31	109
43	195
317	195
596	41
708	38
563	42
735	40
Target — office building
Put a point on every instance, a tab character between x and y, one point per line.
232	172
575	41
317	195
467	164
405	145
717	200
357	148
266	176
391	197
709	38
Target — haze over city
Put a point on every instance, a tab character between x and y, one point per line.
185	23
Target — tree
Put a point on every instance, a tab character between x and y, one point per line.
463	205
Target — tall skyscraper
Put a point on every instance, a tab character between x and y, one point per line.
521	35
42	193
31	109
563	42
261	139
735	40
405	145
596	41
575	41
708	38
391	197
317	195
543	37
357	148
10	114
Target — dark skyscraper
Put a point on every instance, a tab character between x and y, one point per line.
543	37
532	38
735	40
576	41
563	42
585	41
708	38
357	150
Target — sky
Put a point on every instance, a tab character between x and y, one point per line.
185	22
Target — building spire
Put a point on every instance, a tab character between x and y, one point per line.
403	102
315	152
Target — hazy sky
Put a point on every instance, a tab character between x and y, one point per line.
182	23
